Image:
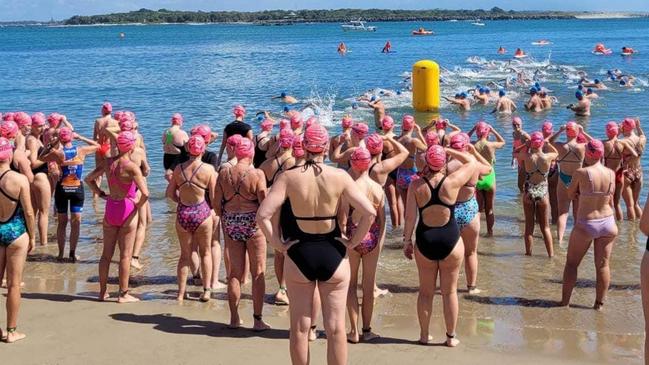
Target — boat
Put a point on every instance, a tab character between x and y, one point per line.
357	26
542	42
478	23
422	31
453	20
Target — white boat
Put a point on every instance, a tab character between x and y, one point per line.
453	20
358	26
478	24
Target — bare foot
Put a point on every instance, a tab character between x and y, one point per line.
218	286
452	341
378	292
260	326
369	336
4	283
60	258
489	234
281	298
103	297
15	336
235	324
352	337
206	296
313	334
425	340
182	296
135	263
74	258
127	298
598	306
42	244
473	290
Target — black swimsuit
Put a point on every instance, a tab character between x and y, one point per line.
260	155
42	168
270	182
436	243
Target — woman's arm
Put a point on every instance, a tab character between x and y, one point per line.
172	187
28	211
91	179
389	164
262	189
268	208
644	220
140	182
500	141
410	219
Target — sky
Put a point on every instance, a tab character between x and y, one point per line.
12	10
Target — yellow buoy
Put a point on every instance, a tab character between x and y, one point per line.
425	86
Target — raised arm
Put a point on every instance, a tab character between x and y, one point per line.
500	141
389	164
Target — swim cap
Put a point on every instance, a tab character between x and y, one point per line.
286	109
65	134
457	96
286	137
9	129
6	149
296	121
267	125
360	130
481	91
38	119
316	138
628	125
54	119
595	149
202	130
125	141
22	119
537	140
177	119
482	129
196	145
245	149
589	91
126	124
309	122
580	87
283	94
597	81
360	159
517	121
106	108
478	86
374	144
501	92
407	122
298	148
579	95
373	98
233	141
346	122
432	138
571	129
463	95
612	129
537	85
622	82
118	115
8	116
460	141
260	118
436	157
354	105
441	124
129	115
387	123
581	138
487	90
239	111
284	123
546	128
533	91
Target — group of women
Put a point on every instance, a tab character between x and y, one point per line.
325	224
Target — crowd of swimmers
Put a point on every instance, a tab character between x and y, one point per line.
324	221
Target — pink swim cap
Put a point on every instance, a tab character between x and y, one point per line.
196	145
202	130
517	121
311	121
177	119
460	141
432	138
595	149
126	124
245	149
360	130
298	148
374	144
346	122
233	141
387	123
546	128
441	124
571	129
106	108
54	119
126	141
581	138
38	119
537	140
239	111
22	119
267	125
436	157
6	149
284	123
129	115
65	134
286	137
296	121
628	124
8	116
407	122
9	129
118	115
612	129
316	138
482	129
360	159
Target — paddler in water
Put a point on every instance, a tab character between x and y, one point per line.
342	49
502	50
387	48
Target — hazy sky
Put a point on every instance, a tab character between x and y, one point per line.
61	9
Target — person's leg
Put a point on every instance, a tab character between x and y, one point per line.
470	237
140	235
75	228
427	270
110	241
449	272
528	210
352	296
521	178
195	265
203	238
391	195
577	248
278	261
42	197
333	293
401	202
637	188
236	251
627	195
182	270
644	284
216	257
370	262
300	293
490	217
619	185
15	256
553	180
256	247
126	240
563	208
315	309
603	249
542	217
61	227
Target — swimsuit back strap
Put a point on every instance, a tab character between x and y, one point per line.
3	190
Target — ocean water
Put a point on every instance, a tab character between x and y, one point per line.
201	71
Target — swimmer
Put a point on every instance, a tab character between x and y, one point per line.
534	103
590	94
520	138
356	139
41	189
632	167
504	105
460	100
407	171
485	187
379	111
99	134
238	126
173	144
68	192
582	108
125	180
439	247
597	84
262	140
342	49
547	129
17	236
535	200
502	50
20	160
595	184
614	151
286	99
368	252
546	100
482	97
387	48
314	245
